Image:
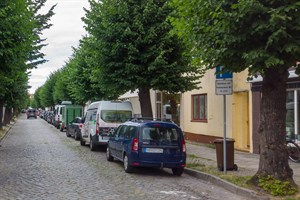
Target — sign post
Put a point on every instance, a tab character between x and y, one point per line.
224	87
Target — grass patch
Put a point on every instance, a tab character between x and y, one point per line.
3	131
276	187
238	178
212	146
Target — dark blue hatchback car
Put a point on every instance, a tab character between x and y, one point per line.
147	143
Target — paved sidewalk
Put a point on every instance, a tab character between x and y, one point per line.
247	162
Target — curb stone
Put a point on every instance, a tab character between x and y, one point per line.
225	184
6	133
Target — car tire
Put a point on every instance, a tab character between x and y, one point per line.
177	171
76	136
127	167
67	133
108	156
92	145
82	142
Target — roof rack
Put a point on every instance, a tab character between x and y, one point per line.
143	119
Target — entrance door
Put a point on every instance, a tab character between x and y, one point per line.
240	120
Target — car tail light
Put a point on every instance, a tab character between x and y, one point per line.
135	164
135	145
97	125
183	146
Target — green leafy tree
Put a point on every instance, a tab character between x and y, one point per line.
47	91
20	45
136	51
81	85
261	36
37	98
60	92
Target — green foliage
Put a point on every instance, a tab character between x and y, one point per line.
20	44
46	92
134	48
36	101
81	84
60	92
276	187
240	34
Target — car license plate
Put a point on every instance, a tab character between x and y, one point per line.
103	138
153	150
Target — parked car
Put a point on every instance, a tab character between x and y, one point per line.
141	143
74	128
101	119
31	113
50	117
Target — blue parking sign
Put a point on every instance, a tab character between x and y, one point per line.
224	75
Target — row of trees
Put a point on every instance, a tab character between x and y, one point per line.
20	45
129	46
167	45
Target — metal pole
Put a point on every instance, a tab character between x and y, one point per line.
295	116
224	141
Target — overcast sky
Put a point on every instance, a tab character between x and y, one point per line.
66	32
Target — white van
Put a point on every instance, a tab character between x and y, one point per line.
101	119
58	113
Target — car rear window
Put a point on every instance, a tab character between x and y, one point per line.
161	134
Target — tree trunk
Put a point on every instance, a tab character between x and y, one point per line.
1	112
145	102
272	133
7	115
15	112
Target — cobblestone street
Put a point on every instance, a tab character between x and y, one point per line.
37	161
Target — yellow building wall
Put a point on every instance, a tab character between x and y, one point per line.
215	110
214	125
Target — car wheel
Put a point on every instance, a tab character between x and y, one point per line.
67	133
92	145
177	171
127	167
82	142
76	136
108	156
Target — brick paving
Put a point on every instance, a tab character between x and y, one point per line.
37	161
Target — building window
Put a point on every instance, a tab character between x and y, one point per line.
199	107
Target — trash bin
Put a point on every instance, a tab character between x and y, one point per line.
229	154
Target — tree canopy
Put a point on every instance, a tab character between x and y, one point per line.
135	49
20	45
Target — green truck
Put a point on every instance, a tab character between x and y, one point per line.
68	114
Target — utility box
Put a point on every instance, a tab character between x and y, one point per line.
69	112
229	154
